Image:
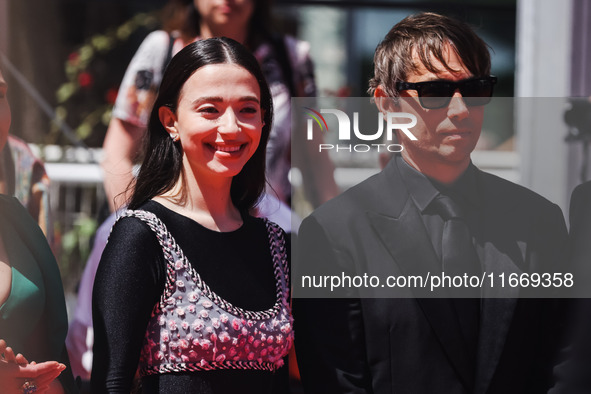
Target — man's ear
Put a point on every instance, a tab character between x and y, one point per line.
168	120
384	103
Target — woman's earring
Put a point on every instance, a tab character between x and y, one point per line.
175	136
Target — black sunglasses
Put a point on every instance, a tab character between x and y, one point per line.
438	94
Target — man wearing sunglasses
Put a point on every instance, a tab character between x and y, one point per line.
431	211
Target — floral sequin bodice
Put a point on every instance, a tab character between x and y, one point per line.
193	329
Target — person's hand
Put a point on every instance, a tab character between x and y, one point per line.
17	375
6	354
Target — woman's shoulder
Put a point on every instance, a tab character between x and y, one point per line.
136	225
152	50
133	248
8	201
128	229
15	215
156	37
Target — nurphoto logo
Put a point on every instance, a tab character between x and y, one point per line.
402	121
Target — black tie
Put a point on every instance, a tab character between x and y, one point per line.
459	258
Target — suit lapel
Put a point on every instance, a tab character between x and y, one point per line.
408	242
496	317
498	255
400	229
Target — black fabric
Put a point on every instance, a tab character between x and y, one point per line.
171	40
459	259
457	249
410	344
278	43
464	194
215	382
446	211
236	265
573	372
422	191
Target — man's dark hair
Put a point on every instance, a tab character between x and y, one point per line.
163	161
426	34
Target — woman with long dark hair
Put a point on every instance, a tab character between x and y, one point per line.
287	66
191	288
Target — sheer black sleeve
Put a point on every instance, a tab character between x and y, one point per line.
129	281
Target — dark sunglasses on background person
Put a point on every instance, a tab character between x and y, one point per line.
438	94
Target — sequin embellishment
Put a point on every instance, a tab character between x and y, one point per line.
193	329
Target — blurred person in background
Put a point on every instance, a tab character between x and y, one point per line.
33	319
572	372
23	176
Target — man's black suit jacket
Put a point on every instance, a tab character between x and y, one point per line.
413	345
573	375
